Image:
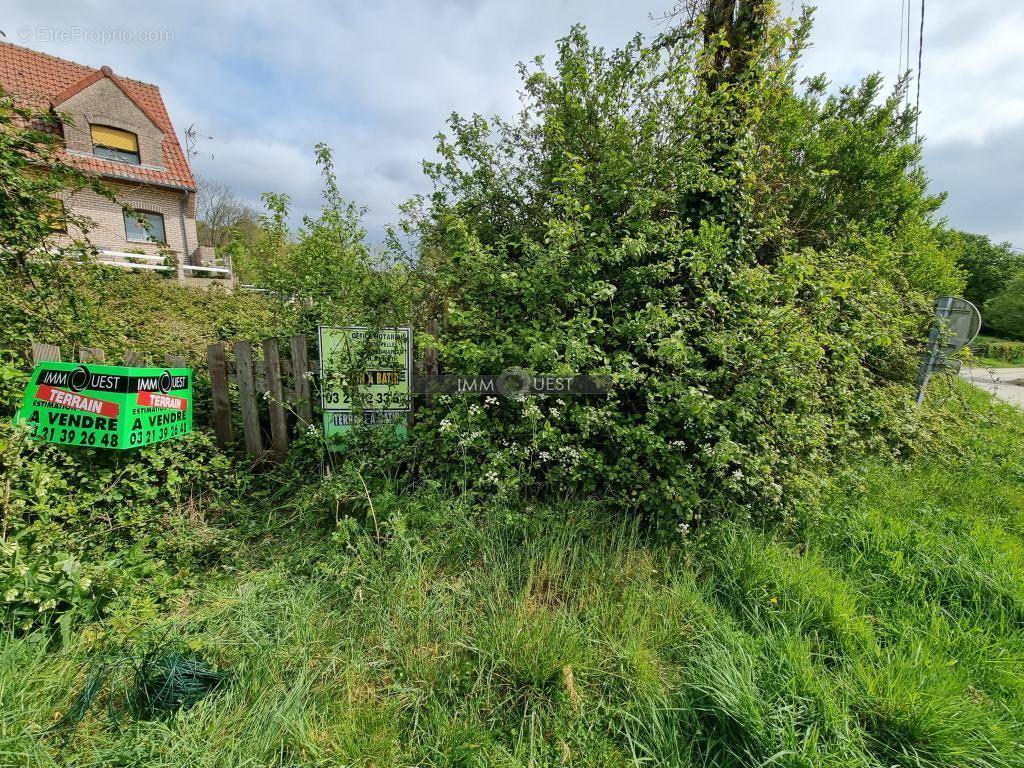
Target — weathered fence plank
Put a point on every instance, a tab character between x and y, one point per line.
45	353
174	361
219	389
134	359
247	398
278	421
300	367
94	354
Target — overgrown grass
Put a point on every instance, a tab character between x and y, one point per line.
884	628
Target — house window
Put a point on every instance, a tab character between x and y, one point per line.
144	227
115	144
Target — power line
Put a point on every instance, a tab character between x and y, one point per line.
899	66
907	59
920	50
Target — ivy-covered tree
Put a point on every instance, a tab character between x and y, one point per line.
749	260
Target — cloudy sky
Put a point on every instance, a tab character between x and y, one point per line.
376	79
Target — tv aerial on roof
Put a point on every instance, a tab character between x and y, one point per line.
192	139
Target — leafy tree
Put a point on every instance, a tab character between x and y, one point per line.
262	259
989	266
750	262
1005	310
327	263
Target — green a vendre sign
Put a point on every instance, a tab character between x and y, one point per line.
106	406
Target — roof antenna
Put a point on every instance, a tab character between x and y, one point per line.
192	138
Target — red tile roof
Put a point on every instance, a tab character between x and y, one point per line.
41	81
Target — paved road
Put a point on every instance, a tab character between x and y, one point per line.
1005	383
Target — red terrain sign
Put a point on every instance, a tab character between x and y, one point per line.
158	400
70	400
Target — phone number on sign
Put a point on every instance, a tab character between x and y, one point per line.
147	436
78	437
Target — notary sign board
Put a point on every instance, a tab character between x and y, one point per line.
365	376
107	406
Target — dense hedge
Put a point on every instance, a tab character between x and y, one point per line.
751	263
1001	350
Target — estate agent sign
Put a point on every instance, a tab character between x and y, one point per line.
106	406
365	375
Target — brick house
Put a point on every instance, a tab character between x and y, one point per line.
119	129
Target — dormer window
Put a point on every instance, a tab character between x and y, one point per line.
115	144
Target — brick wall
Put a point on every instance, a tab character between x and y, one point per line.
109	231
103	103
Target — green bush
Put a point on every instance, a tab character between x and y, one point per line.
80	525
750	264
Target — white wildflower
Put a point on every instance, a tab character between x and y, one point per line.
10	595
530	410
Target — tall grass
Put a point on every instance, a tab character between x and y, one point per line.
885	628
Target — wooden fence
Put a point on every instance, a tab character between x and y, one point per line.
284	383
50	353
248	375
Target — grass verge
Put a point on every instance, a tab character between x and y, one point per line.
884	628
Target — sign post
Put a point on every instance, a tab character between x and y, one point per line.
957	323
365	376
106	406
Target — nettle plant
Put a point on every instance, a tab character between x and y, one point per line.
749	260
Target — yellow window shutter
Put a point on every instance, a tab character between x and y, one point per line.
114	138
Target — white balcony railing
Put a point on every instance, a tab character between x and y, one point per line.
158	263
133	260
